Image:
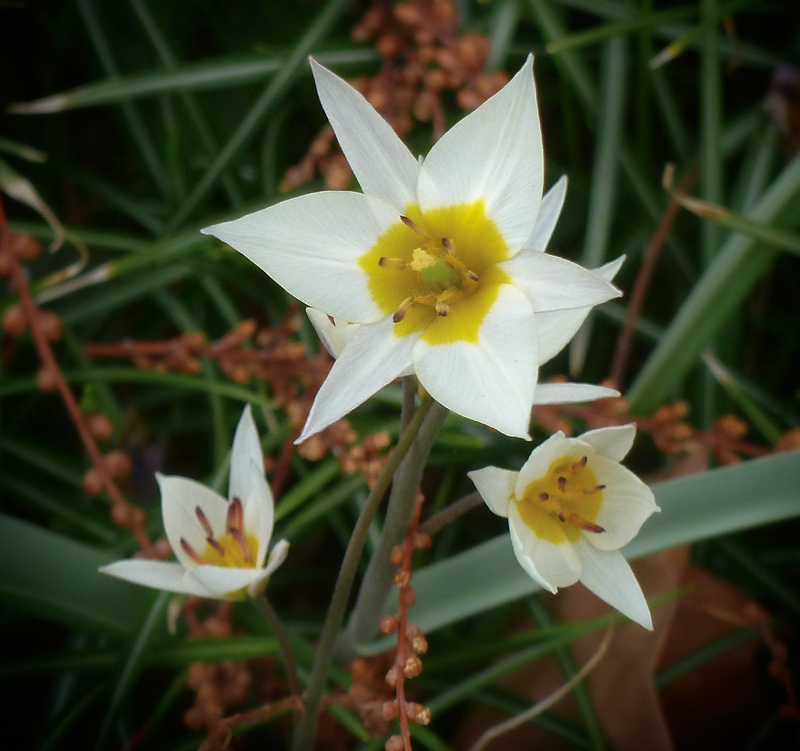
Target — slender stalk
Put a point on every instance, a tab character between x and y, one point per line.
304	737
378	580
450	513
278	630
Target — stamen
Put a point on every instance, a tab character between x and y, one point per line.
544	496
216	545
204	523
472	276
578	466
442	308
595	489
235	518
562	484
578	521
396	264
447	244
402	309
238	535
414	228
191	552
332	320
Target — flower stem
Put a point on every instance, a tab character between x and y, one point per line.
278	630
306	730
378	580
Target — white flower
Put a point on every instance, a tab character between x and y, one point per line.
570	508
437	259
220	545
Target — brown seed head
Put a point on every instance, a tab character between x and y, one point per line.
119	464
46	380
25	247
92	484
402	578
407	597
398	553
14	321
50	325
412	667
100	425
388	624
394	743
390	710
418	713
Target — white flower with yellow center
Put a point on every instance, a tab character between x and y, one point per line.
570	508
438	259
221	545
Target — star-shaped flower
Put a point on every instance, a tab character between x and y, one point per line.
221	545
438	259
570	508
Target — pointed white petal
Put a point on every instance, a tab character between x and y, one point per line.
180	497
373	358
608	575
553	283
613	442
157	574
334	335
493	380
245	453
549	211
553	566
555	447
276	557
259	511
494	154
570	393
220	581
627	503
556	328
496	487
310	245
382	164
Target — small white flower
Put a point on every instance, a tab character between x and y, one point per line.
221	546
438	260
570	508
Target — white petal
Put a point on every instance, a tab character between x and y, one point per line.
556	328
553	566
614	442
310	245
555	447
221	581
171	577
627	503
608	575
259	511
496	487
276	557
180	497
553	283
570	393
382	164
494	154
491	381
336	335
373	358
549	211
245	453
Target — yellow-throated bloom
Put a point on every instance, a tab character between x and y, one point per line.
221	545
570	508
438	259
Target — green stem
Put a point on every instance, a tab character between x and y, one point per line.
275	624
378	580
304	737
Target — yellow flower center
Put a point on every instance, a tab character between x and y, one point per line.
563	502
234	549
436	272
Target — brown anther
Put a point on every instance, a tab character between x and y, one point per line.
402	578
398	554
388	624
413	227
562	484
578	466
544	496
216	545
390	710
578	521
394	743
235	516
442	308
391	676
561	516
472	276
14	321
100	425
422	541
191	552
447	244
595	489
418	713
402	309
412	667
204	523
